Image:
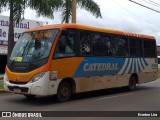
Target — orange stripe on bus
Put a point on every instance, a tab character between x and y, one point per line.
96	29
66	66
25	77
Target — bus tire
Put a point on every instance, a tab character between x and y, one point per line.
132	83
30	96
64	92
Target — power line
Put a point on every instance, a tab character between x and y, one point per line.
152	3
130	12
145	6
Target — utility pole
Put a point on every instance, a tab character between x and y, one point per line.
74	3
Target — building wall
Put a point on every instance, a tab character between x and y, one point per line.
18	29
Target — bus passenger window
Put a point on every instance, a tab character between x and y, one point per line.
120	47
65	46
149	48
102	45
136	47
69	48
107	45
85	48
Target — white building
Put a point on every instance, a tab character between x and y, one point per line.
18	29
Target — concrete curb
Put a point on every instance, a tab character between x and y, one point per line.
3	91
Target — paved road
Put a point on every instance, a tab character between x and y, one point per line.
145	98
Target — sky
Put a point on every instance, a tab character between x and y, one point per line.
116	14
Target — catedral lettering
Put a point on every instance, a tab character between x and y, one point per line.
100	66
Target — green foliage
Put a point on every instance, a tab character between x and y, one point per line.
45	7
1	86
66	11
17	9
42	7
89	5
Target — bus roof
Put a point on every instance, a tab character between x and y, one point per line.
96	29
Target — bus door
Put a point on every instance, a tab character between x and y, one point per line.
64	62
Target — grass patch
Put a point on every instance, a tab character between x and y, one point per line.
1	86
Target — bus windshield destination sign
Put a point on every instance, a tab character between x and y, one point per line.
40	35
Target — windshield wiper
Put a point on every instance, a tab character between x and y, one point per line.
30	63
13	61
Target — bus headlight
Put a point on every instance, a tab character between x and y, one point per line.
6	77
37	77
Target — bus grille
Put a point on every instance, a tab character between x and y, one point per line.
22	89
19	83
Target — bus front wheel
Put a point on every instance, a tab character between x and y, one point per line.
64	92
132	83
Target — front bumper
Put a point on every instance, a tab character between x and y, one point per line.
39	87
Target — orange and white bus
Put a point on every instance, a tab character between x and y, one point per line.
64	59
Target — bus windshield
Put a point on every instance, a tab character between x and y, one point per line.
33	46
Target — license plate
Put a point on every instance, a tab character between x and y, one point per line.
17	90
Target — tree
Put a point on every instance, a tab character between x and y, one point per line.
17	7
74	5
89	5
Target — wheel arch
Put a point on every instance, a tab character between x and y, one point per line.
71	82
135	75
